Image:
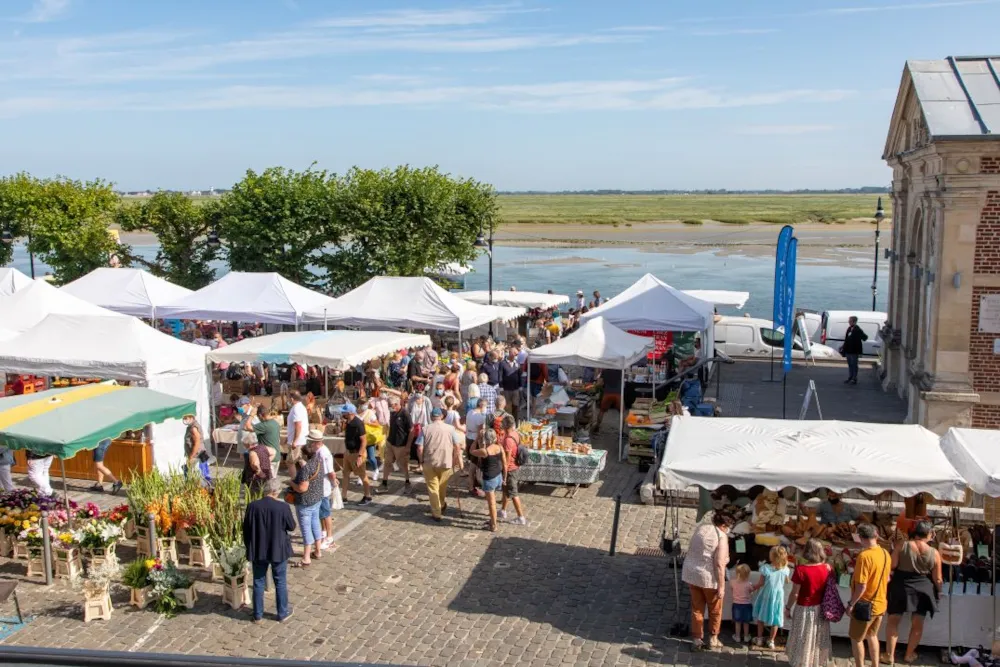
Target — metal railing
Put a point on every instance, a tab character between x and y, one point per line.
53	657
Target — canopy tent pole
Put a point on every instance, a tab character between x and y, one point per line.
69	515
621	416
528	402
324	320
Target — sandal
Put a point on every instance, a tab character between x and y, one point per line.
301	564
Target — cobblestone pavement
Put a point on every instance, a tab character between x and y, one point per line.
401	589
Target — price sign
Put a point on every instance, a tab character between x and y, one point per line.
661	339
741	546
845	581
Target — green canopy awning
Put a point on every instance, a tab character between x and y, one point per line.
62	422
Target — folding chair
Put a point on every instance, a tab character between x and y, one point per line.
8	589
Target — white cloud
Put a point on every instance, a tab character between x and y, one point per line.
422	18
637	28
733	31
906	6
784	129
43	11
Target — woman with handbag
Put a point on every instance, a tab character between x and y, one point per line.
809	636
307	489
868	603
704	572
914	588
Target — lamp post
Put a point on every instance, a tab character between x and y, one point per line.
8	239
879	216
483	242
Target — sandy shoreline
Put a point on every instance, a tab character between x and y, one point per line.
816	240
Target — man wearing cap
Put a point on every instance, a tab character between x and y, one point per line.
441	453
298	428
581	300
354	457
266	527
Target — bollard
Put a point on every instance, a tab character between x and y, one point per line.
153	553
43	524
614	526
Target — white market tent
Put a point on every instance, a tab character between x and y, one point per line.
268	298
598	344
975	453
807	455
127	291
652	305
116	347
29	306
338	350
720	297
407	303
515	299
12	280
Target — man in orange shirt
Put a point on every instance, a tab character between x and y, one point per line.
869	588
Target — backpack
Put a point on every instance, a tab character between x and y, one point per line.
521	458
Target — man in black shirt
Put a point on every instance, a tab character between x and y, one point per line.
415	373
491	366
266	525
510	380
398	450
354	457
853	348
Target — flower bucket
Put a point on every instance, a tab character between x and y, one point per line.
99	555
6	548
186	596
140	597
166	549
199	553
216	571
96	604
236	590
68	564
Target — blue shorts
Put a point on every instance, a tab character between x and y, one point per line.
742	613
493	484
101	450
325	510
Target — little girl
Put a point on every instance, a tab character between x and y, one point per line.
769	607
742	608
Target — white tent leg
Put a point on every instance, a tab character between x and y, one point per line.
528	401
621	418
324	320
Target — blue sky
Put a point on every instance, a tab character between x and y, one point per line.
553	94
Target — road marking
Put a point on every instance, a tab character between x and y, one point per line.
357	521
149	633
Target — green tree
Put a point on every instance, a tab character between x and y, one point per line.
20	197
405	222
181	226
279	220
67	221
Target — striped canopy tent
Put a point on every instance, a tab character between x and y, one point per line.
62	422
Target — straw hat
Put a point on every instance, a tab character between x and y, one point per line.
314	435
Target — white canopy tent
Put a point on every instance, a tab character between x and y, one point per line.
598	344
128	291
807	455
720	297
29	306
975	453
246	297
515	299
652	305
12	280
116	347
407	303
338	350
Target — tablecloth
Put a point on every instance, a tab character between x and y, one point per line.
563	467
227	436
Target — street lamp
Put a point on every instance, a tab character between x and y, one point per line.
483	242
213	238
8	239
879	216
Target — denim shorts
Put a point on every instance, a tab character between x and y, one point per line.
325	509
493	484
742	613
102	450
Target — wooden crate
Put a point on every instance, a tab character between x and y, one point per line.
122	458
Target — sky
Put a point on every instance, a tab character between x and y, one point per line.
540	95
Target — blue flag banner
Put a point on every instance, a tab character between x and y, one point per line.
788	302
780	255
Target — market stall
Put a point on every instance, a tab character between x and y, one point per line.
515	299
32	304
596	344
117	347
720	297
804	456
127	291
267	298
12	280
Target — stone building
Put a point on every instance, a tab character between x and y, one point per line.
942	350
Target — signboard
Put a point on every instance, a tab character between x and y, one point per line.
811	396
804	337
989	313
661	339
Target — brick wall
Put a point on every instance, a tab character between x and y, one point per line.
988	236
989	165
986	416
984	364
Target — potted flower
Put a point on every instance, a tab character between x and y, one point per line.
136	577
98	539
172	590
96	592
235	578
192	514
66	555
166	542
33	540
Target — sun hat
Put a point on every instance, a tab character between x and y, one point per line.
314	435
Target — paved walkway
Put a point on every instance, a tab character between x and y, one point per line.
401	589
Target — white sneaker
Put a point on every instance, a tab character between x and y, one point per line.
736	638
520	521
501	515
770	644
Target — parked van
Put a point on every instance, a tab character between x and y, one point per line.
835	326
752	337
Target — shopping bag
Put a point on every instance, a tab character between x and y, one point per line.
832	605
337	502
373	434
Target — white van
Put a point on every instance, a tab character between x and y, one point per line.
835	326
751	337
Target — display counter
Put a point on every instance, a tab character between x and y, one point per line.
563	467
122	458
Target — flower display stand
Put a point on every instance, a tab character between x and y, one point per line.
96	604
166	549
36	563
142	541
19	550
140	597
186	596
216	571
236	590
199	553
182	536
94	558
6	547
68	564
